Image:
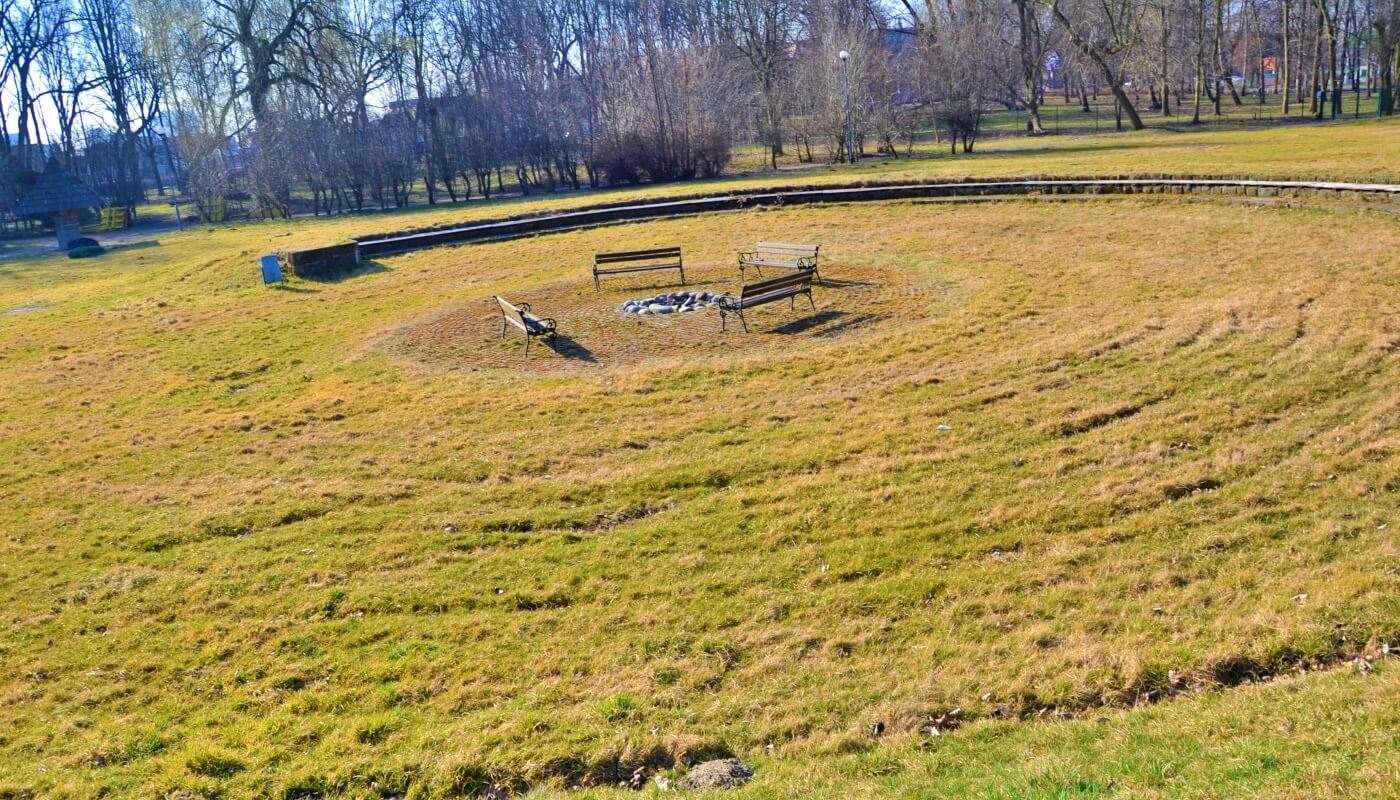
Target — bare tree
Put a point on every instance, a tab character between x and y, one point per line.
1106	34
762	32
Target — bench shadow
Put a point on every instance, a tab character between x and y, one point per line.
284	287
809	322
837	283
850	322
571	348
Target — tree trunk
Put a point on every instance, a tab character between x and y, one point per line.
1091	52
1216	58
1200	59
1281	77
1030	66
1166	77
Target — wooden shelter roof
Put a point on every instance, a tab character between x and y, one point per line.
57	191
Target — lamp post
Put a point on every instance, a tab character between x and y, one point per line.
174	183
846	83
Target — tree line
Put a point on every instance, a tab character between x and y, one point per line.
340	105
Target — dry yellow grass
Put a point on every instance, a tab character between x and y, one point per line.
251	551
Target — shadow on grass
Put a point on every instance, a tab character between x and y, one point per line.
850	321
285	287
826	324
365	268
837	283
809	322
141	245
571	348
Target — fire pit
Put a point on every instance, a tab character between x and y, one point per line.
672	303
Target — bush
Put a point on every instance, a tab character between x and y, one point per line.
635	156
82	241
91	251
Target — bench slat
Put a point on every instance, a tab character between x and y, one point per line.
632	255
805	249
749	301
773	284
774	262
638	268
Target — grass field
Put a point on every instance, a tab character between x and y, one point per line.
1068	458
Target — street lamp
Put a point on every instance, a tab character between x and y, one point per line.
174	183
846	82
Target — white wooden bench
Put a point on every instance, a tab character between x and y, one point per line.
780	255
531	325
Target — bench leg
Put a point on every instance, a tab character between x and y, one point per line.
527	345
597	287
721	320
503	326
810	300
744	320
682	276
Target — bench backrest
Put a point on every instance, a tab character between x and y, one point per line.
506	306
789	251
795	279
622	257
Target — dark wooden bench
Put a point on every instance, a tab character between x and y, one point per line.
520	317
768	291
637	261
780	256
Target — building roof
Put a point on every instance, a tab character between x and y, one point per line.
57	191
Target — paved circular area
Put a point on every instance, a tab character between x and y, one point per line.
594	333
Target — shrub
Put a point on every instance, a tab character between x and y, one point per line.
86	252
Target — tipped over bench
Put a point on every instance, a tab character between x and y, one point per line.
519	315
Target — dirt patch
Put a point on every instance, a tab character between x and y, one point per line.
595	333
724	773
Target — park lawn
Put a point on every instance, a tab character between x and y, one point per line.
253	550
1366	151
1327	735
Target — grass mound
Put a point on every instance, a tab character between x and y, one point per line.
595	333
1135	446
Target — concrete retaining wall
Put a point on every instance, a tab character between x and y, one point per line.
604	214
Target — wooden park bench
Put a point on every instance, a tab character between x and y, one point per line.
637	261
520	317
768	291
780	256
